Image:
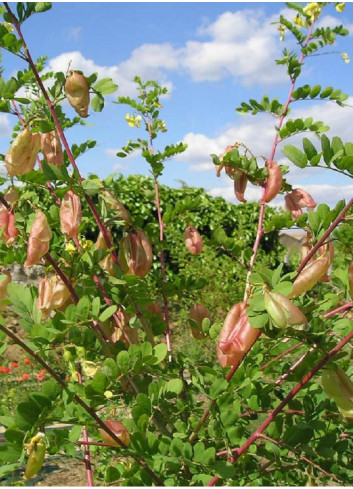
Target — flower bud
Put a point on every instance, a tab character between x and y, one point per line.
273	182
70	214
51	148
114	204
38	241
198	313
8	231
283	312
193	240
339	386
135	254
77	93
309	276
236	337
240	187
106	263
21	157
5	279
119	430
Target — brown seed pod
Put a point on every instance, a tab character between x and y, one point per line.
135	254
273	182
21	157
77	93
240	187
53	295
107	263
309	276
198	313
236	337
193	240
51	148
119	430
296	200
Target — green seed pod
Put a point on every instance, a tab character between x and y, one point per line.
309	276
339	386
35	459
283	312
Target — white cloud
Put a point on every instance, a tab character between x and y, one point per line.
5	126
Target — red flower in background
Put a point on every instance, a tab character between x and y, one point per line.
27	361
14	364
25	376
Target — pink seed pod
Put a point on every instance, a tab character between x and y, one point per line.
38	241
296	200
77	93
309	276
123	332
21	157
106	263
236	337
12	196
273	182
3	288
7	226
53	295
135	254
198	313
240	187
193	240
119	430
52	149
70	214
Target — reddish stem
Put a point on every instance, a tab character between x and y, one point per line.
281	355
141	461
349	305
87	454
287	399
93	443
293	367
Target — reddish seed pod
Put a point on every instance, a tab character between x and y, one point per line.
123	332
296	200
119	430
240	187
70	214
21	157
53	295
12	196
309	276
198	313
8	230
237	336
273	182
135	254
77	93
106	263
193	240
38	241
51	148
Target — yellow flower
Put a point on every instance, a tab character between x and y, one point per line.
108	394
70	248
282	31
340	6
313	10
345	57
299	21
133	121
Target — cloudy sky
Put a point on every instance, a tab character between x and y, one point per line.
211	56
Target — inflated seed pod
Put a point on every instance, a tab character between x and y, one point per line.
38	241
107	263
113	203
309	276
236	337
198	313
35	459
135	254
51	148
283	312
193	240
273	182
240	187
339	386
119	430
21	157
77	93
350	279
70	214
53	295
8	230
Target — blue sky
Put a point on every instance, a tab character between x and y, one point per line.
211	56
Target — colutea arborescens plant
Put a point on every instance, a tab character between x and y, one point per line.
117	321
